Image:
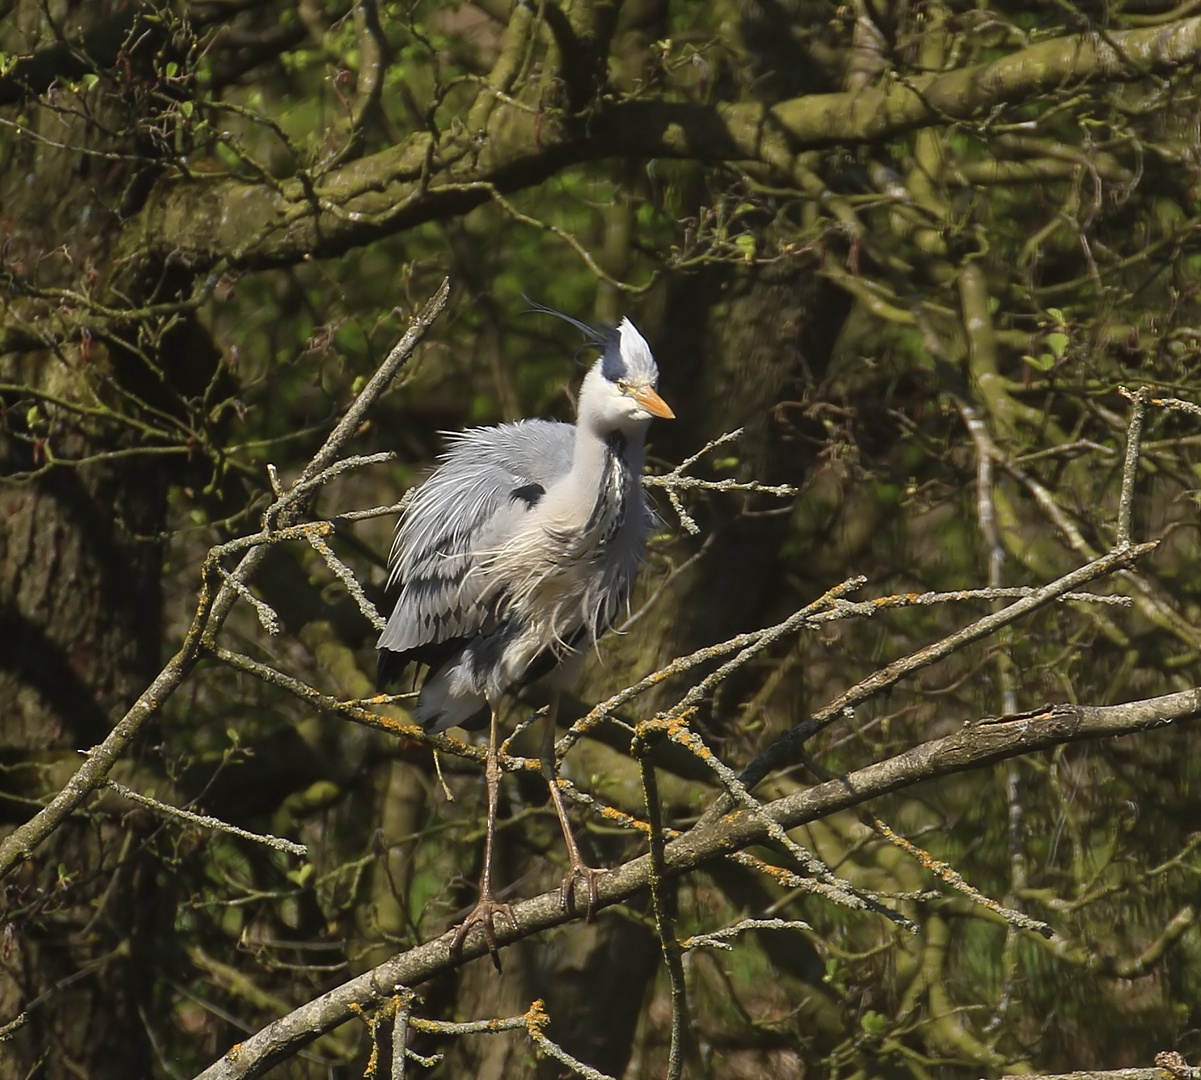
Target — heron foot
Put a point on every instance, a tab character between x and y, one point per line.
590	875
483	914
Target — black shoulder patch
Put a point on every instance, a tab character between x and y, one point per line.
528	494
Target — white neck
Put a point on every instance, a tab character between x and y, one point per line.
593	432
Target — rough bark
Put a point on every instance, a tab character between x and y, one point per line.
206	220
80	612
80	595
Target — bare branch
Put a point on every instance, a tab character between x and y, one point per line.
1179	405
948	874
211	610
676	481
664	921
757	640
205	821
346	576
390	191
1134	437
976	745
719	939
783	749
1160	1073
266	615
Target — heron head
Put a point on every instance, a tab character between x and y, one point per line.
627	389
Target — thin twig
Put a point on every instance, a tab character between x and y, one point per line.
830	607
306	485
354	710
842	609
535	1020
664	922
1149	600
1134	437
948	874
400	1035
1177	404
671	483
822	879
268	537
1157	1073
704	655
719	939
469	1027
346	576
375	511
266	615
782	751
676	481
205	821
212	609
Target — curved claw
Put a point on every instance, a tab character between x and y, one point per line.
484	913
590	874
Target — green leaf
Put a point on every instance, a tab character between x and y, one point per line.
1057	342
873	1023
301	875
90	80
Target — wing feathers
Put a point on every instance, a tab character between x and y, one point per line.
488	480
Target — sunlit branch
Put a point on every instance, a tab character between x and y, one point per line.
206	821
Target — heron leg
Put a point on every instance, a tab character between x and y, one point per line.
484	912
578	868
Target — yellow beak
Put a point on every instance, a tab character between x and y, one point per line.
650	400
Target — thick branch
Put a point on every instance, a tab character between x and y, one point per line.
978	744
252	224
973	91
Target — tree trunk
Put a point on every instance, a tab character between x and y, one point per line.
80	601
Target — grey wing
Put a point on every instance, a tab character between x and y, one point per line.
487	480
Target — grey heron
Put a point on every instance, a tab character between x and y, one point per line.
514	557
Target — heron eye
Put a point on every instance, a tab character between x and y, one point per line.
624	386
